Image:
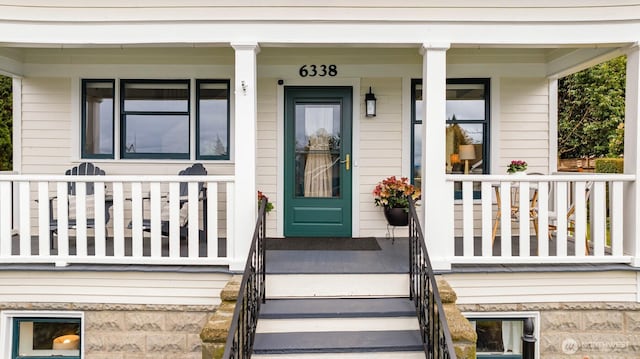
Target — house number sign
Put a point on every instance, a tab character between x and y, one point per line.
318	70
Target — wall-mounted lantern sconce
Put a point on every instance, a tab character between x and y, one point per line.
370	104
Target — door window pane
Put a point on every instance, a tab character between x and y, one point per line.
155	118
97	118
213	120
317	150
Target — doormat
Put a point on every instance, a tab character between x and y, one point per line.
323	244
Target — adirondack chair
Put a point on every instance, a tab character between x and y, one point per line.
83	169
197	169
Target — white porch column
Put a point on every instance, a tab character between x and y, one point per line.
631	158
436	194
246	115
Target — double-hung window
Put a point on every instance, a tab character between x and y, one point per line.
467	130
159	119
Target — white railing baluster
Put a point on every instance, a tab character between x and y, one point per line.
43	219
580	219
487	219
561	219
212	219
174	219
467	218
99	216
598	236
616	217
194	231
81	219
523	211
136	220
156	220
230	221
505	219
5	218
62	208
543	219
118	219
25	219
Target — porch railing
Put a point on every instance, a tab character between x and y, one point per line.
116	219
250	296
423	291
539	218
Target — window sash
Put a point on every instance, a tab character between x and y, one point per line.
203	148
88	121
452	84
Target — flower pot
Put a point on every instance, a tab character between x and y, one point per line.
519	173
398	217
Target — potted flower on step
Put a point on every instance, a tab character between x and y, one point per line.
393	194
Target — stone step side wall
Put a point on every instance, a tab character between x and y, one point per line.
581	330
462	333
115	331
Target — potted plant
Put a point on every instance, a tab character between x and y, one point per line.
269	207
393	194
517	167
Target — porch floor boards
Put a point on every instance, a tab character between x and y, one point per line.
393	257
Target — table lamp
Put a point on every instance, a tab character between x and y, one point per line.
467	152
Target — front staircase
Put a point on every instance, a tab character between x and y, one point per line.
341	301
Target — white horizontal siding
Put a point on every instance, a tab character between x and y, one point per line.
524	123
545	287
267	152
46	125
380	143
112	287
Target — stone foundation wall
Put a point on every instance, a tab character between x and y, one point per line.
114	331
581	330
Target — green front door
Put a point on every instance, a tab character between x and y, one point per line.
317	194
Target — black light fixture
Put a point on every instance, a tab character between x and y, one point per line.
370	104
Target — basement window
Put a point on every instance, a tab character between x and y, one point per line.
499	338
41	335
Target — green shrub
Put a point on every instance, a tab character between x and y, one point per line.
609	165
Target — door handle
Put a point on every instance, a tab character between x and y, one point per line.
347	162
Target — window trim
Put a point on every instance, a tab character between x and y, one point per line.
123	123
486	123
83	121
8	317
197	124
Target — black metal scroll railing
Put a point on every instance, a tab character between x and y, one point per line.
242	331
423	291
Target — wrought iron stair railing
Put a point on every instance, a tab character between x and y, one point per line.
250	296
423	291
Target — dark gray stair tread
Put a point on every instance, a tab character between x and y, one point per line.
337	308
337	342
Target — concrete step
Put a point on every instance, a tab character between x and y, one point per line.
337	285
338	342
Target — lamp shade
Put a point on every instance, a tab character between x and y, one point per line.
467	152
